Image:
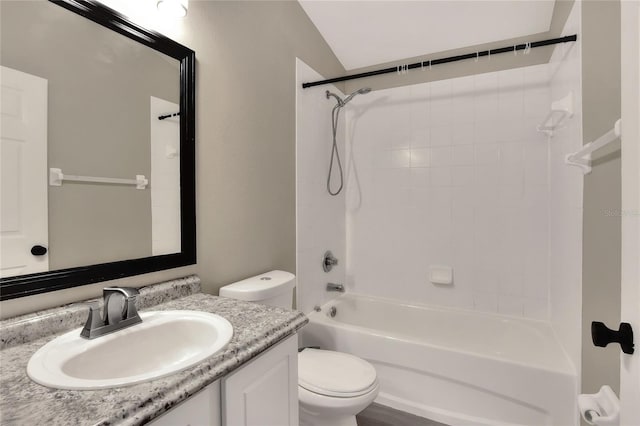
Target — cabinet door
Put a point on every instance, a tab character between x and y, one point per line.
264	392
202	409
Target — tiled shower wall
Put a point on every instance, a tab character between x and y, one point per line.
452	173
320	219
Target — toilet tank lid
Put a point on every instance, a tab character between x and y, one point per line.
260	287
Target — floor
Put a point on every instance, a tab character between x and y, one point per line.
379	415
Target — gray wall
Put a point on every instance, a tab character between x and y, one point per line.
98	125
245	133
601	255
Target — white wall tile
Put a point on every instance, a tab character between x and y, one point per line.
440	89
487	154
463	107
511	129
420	157
536	102
400	158
510	305
320	218
463	155
485	302
511	192
511	104
420	177
463	87
473	193
485	83
487	175
463	133
440	135
440	176
487	130
441	156
462	175
420	196
512	153
536	162
441	112
536	308
486	106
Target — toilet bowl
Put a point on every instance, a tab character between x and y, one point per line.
332	386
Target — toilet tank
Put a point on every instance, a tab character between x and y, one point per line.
273	288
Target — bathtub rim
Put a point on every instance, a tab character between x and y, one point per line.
322	317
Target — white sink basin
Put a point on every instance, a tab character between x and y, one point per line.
164	343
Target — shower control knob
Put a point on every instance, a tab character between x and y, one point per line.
328	261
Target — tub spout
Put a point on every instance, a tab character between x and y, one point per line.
335	287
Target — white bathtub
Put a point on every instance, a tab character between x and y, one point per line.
454	366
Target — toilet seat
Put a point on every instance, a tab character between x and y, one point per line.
335	374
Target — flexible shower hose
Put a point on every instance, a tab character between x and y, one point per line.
335	113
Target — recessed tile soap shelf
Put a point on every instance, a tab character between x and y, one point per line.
561	110
441	274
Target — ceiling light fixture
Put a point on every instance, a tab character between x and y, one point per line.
173	8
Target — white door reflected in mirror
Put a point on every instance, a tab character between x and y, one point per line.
23	157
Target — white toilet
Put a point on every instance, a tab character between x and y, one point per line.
332	386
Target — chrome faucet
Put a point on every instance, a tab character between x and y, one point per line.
119	312
335	287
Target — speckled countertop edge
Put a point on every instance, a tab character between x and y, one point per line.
256	328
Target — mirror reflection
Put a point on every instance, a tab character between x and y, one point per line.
90	168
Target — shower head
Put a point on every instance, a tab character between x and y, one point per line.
362	91
343	102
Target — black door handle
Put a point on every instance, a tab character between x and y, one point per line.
602	336
38	250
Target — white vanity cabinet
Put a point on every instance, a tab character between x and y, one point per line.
263	392
201	409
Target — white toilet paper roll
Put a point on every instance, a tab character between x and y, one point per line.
589	408
600	409
591	417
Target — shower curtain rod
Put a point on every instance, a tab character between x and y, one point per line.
424	64
162	117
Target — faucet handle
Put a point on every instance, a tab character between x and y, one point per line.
328	261
94	319
132	311
120	303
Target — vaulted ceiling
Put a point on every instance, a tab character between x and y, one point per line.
364	32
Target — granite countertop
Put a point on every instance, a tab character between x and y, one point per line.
24	402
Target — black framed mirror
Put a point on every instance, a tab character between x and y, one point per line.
83	273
